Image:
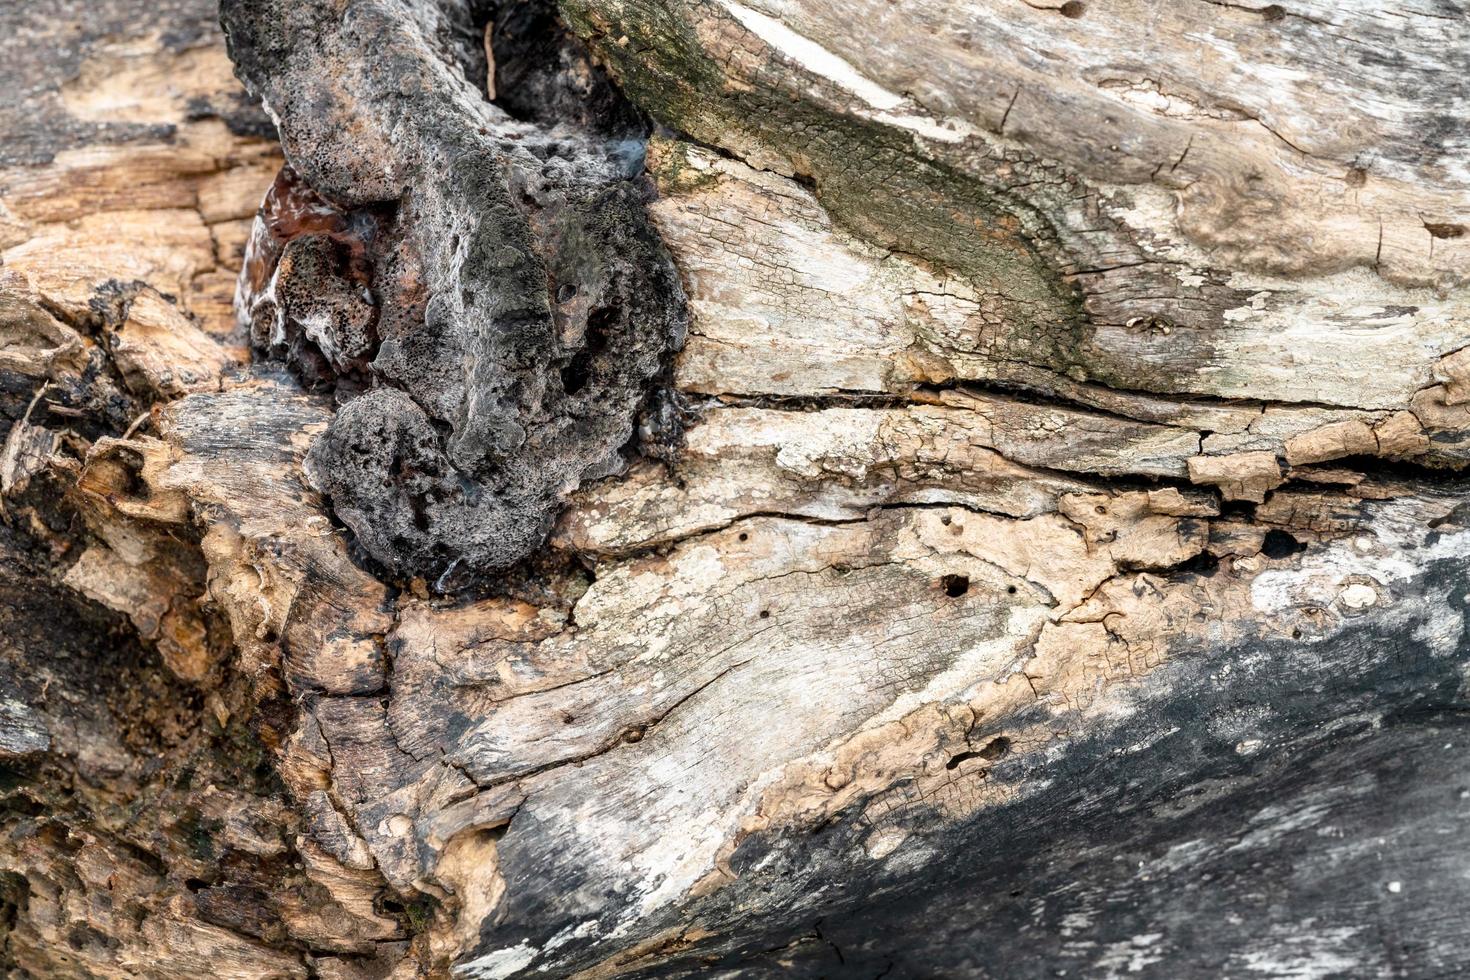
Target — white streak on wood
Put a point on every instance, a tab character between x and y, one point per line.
498	964
813	57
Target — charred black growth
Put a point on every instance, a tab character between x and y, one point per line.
484	292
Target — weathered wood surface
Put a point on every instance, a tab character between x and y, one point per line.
1063	568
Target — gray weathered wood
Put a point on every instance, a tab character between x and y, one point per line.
1046	556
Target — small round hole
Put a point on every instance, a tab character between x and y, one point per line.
765	614
565	292
1279	544
1011	589
1072	9
955	585
995	748
744	536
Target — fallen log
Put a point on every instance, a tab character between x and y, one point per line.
690	487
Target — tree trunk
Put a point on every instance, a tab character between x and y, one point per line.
714	488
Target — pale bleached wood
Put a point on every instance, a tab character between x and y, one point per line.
1064	537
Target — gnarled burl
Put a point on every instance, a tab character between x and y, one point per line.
486	293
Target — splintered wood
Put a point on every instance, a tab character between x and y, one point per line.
1060	435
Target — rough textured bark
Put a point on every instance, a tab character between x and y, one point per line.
1045	555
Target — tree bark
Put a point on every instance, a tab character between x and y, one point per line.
714	488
